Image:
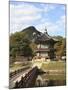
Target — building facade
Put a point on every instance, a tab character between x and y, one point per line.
45	46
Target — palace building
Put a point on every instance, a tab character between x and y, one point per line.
45	46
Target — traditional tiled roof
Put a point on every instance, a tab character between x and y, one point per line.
44	37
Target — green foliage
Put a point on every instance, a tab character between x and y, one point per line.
21	42
60	46
20	45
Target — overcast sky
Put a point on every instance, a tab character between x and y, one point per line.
40	15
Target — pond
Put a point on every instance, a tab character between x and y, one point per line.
50	80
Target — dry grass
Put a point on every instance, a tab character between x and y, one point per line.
54	65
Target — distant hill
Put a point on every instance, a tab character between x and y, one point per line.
30	32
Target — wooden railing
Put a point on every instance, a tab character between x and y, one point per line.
45	49
29	79
14	73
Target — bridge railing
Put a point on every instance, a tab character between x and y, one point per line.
12	74
29	79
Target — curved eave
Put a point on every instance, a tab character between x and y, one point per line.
45	50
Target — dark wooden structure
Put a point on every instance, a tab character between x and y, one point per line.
29	79
45	46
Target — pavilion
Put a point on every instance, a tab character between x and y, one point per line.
45	46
